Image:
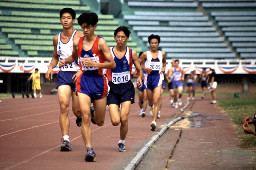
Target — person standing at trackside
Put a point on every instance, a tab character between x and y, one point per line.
35	77
204	77
122	90
142	93
63	47
169	78
213	79
153	62
92	85
177	84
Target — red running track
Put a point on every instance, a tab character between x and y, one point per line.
30	136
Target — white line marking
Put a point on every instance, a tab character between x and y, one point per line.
46	151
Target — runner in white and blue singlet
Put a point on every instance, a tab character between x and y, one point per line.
63	47
177	84
153	62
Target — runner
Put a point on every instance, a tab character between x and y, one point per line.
177	84
92	85
153	63
194	84
169	78
213	85
63	47
122	91
142	93
204	78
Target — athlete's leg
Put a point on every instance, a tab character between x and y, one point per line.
124	119
156	99
114	114
141	99
64	94
180	91
85	103
100	110
144	99
213	95
150	97
194	91
75	105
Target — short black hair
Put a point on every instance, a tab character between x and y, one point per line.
177	61
152	36
68	10
90	18
36	69
125	29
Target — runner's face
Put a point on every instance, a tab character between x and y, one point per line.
88	30
177	64
121	39
66	20
154	44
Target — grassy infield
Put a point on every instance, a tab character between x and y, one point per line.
236	108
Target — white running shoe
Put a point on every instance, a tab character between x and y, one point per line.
142	113
193	98
176	105
158	115
153	126
41	96
180	103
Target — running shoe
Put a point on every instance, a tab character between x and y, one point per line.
213	102
66	146
41	96
121	147
90	156
153	126
158	115
193	98
142	113
92	115
151	111
180	103
176	105
79	121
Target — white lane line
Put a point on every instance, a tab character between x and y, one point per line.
46	151
29	108
28	116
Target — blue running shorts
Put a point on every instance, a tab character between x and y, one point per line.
65	78
120	93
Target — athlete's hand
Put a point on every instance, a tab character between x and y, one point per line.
148	70
49	74
62	63
88	62
247	119
139	82
248	129
78	74
163	70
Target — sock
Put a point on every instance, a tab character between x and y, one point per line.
66	137
171	101
121	141
34	94
40	94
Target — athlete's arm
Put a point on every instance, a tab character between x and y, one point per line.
143	58
103	47
163	61
137	67
54	60
182	74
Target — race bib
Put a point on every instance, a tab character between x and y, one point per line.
190	81
177	76
155	65
68	67
95	59
123	77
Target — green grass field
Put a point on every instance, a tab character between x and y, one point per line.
237	109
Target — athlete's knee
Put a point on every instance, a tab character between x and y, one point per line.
64	108
86	118
124	121
115	123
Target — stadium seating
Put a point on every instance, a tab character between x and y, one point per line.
30	25
224	28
